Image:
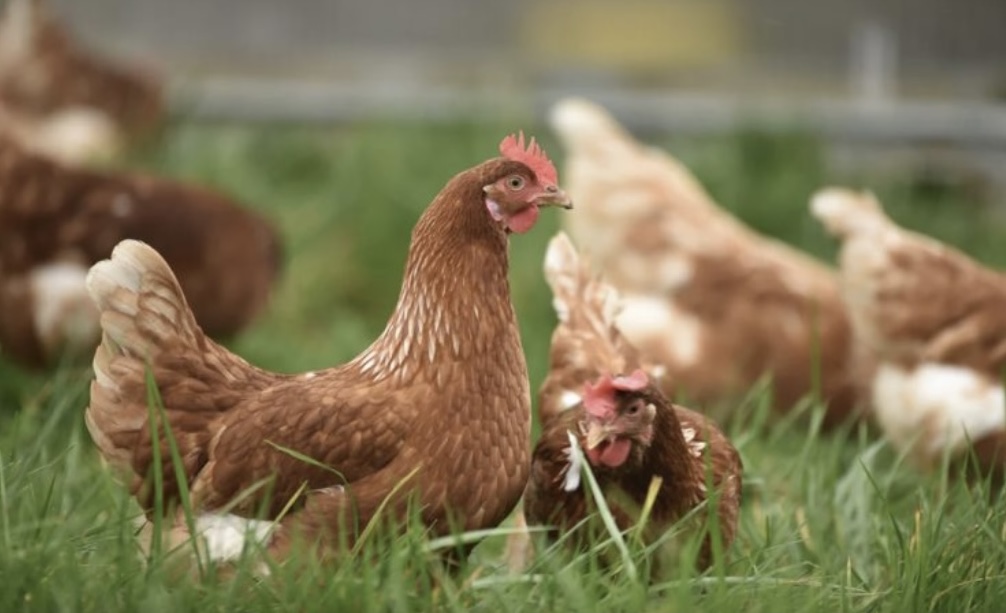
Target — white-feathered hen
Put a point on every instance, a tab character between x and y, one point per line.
715	303
936	320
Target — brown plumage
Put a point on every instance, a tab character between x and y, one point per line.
56	221
936	319
715	303
45	74
438	404
631	433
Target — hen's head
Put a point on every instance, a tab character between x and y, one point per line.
526	183
620	414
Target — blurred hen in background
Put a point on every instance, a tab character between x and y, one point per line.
56	221
715	303
936	319
61	99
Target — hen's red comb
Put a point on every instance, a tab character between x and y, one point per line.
599	398
632	383
512	148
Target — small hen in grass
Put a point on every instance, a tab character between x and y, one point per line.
598	397
436	412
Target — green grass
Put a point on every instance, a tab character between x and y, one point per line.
830	522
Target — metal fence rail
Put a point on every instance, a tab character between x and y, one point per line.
980	125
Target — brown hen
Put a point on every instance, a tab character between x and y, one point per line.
718	305
56	221
936	319
435	412
630	432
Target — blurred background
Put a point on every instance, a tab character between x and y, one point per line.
870	52
342	119
882	73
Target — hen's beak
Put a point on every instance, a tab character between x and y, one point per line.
553	196
597	434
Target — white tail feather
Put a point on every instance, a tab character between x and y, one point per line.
562	265
571	280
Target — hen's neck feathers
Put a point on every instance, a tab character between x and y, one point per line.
455	295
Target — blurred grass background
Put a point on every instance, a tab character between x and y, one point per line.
829	522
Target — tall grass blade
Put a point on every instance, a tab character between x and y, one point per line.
603	511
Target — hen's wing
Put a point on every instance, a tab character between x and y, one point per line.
342	428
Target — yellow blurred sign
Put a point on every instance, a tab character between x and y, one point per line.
632	34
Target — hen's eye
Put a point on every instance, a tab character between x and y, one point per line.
633	408
515	182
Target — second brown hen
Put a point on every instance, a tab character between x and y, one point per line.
598	398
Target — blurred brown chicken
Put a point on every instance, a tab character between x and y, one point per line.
936	320
598	397
81	104
56	221
714	303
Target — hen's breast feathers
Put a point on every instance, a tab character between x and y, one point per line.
679	457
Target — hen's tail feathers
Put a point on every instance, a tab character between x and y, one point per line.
845	212
143	310
573	283
143	314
